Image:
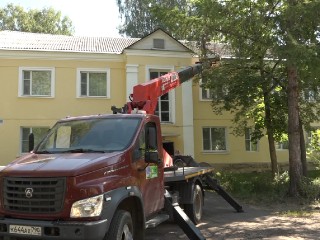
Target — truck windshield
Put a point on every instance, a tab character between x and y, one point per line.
90	135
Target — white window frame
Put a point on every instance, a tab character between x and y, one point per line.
21	81
172	102
212	150
93	70
251	144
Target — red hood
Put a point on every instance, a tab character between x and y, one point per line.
67	164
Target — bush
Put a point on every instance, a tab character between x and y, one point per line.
311	189
263	188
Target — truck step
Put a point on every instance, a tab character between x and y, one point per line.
160	218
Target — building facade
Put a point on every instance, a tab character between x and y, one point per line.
48	77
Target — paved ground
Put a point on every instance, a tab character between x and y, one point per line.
221	222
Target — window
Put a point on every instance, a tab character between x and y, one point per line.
209	94
163	109
313	138
214	139
38	133
36	82
282	145
93	83
311	95
206	94
250	145
140	146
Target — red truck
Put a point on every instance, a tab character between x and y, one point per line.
104	177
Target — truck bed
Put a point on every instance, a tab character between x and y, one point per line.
185	173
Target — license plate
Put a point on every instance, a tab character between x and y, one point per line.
25	230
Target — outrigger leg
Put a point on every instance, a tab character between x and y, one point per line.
182	219
214	185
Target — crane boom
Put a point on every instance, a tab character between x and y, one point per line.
145	95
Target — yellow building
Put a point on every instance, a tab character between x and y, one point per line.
48	77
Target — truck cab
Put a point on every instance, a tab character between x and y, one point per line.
85	174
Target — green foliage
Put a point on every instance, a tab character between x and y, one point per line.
274	47
255	185
140	17
296	213
47	20
313	151
263	188
311	189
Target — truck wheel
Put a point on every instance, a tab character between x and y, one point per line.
194	210
121	227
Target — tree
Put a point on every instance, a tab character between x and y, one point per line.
289	31
140	17
275	54
298	19
47	20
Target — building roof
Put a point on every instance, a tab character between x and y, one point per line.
13	40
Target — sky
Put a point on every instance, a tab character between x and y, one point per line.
90	18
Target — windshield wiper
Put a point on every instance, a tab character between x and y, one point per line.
43	152
83	150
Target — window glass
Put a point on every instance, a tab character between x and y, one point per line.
105	135
41	83
214	139
36	82
93	84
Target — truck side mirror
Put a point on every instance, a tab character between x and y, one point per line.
31	142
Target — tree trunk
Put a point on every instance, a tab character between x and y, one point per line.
272	153
268	123
295	165
303	151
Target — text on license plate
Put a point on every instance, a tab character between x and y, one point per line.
27	230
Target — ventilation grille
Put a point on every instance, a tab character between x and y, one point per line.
158	43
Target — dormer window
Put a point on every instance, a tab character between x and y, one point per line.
158	43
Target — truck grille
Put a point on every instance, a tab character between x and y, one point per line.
33	195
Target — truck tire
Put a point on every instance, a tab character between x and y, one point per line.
121	227
195	210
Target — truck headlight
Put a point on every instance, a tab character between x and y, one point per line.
90	207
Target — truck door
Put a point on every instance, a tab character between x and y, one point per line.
150	175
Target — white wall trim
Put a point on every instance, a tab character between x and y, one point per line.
187	119
132	71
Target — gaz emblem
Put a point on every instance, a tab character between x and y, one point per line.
29	192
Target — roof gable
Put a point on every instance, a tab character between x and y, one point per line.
159	40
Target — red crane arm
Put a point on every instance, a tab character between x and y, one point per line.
145	95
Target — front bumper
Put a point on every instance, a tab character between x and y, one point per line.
50	230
